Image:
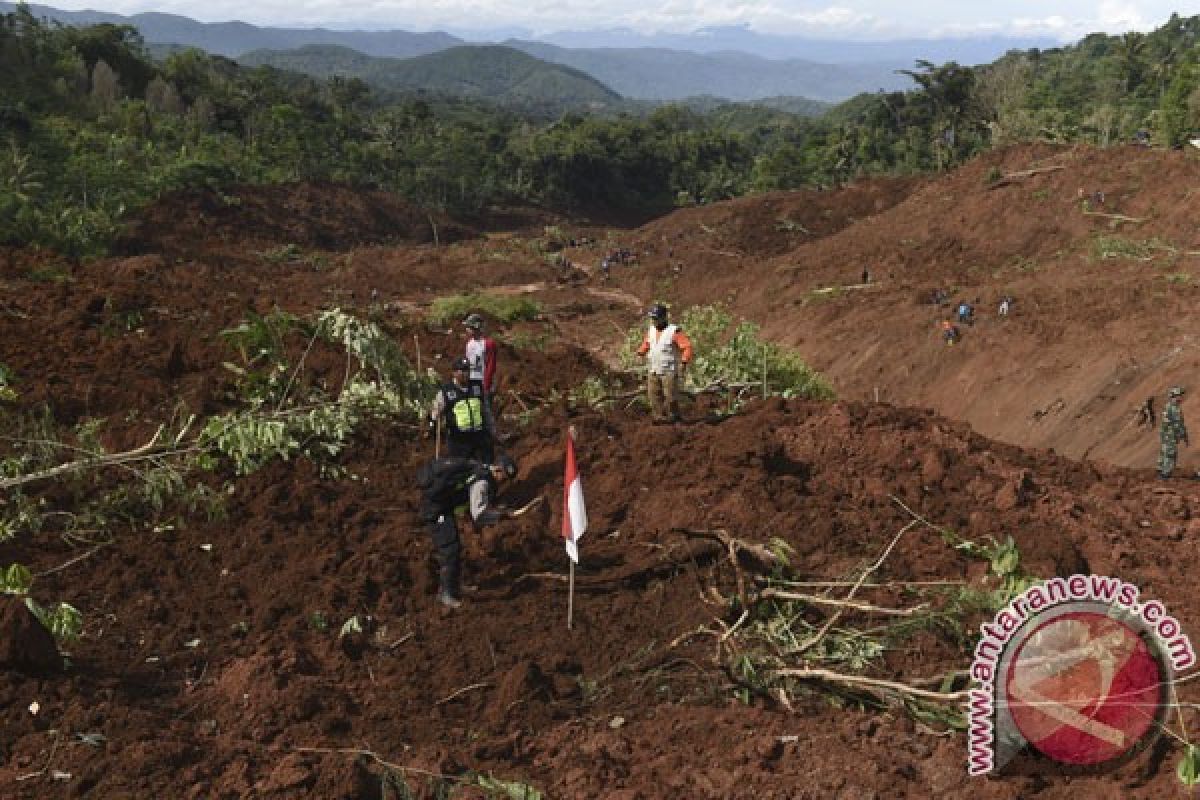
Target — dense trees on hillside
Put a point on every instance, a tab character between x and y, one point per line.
91	127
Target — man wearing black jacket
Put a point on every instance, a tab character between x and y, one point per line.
450	485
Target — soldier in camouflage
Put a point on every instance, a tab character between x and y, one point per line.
1172	432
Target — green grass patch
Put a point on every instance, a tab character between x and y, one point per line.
505	308
1106	248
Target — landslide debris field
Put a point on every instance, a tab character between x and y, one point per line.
275	634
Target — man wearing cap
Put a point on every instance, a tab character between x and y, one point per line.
1172	431
465	416
451	485
481	354
668	352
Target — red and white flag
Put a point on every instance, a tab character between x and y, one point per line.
574	521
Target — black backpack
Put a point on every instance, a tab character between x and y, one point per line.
440	481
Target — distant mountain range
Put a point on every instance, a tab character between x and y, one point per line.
713	62
971	51
500	75
664	75
232	39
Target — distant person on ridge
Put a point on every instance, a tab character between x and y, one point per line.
965	313
451	485
1145	414
668	352
1172	432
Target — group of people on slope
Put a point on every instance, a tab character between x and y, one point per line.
964	314
468	478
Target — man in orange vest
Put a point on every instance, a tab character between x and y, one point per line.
668	352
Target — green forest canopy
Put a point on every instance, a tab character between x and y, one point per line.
91	127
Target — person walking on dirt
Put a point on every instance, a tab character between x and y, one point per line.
481	353
950	333
668	352
1005	305
464	415
965	313
1145	414
450	485
1172	432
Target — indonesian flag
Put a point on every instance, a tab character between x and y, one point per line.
574	520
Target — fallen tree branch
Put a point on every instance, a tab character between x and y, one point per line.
866	608
829	623
73	561
763	555
843	288
1120	217
461	692
1013	177
358	751
875	685
106	460
674	558
49	761
844	584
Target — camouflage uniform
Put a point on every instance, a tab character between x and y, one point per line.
1172	431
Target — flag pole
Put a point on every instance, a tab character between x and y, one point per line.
571	595
571	561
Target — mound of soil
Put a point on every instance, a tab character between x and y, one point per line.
1105	290
211	663
307	215
25	644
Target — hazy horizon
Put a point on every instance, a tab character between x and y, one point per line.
857	20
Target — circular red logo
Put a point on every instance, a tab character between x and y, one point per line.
1084	688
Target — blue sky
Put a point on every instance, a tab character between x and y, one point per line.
1065	20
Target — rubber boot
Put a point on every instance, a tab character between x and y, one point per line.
448	592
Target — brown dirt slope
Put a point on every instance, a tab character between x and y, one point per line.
1105	293
210	664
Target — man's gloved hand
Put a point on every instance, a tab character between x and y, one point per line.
427	430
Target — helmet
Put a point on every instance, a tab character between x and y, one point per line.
1175	391
507	464
474	322
657	311
462	364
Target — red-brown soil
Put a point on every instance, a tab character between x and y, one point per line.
210	664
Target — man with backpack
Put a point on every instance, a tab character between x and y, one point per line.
451	485
465	415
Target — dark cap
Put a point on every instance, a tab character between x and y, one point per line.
657	311
507	464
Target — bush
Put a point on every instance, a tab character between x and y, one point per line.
729	353
506	308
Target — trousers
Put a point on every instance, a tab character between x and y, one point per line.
448	550
663	392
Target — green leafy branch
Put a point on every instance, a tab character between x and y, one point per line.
62	619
